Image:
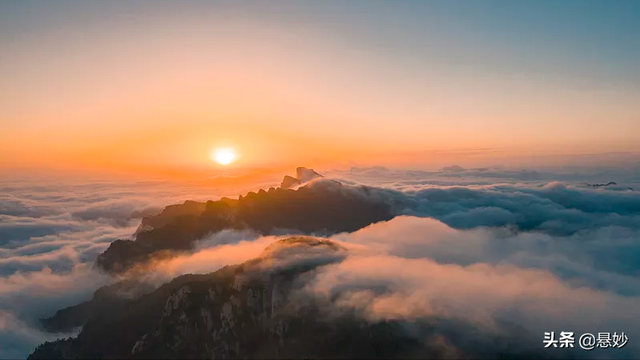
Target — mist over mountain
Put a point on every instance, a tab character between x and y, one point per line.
324	207
458	263
261	309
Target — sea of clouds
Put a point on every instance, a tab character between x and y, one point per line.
489	247
52	229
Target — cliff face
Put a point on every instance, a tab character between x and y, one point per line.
323	207
243	311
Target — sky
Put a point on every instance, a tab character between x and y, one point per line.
155	86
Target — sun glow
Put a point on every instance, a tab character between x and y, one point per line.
224	156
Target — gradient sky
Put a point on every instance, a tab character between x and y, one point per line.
152	84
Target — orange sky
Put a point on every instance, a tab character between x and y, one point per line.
153	90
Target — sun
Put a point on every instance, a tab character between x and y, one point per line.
224	156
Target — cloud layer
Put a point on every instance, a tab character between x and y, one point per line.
485	246
411	268
50	234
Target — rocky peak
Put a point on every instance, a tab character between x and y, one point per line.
288	182
303	175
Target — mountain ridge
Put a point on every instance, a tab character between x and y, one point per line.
260	309
318	206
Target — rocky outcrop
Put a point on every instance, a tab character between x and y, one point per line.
289	182
303	176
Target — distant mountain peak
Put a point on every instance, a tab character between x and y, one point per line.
303	175
289	182
602	185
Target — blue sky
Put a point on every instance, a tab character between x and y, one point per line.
598	37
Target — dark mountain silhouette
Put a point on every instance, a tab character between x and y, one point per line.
610	183
105	299
322	207
602	185
257	310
